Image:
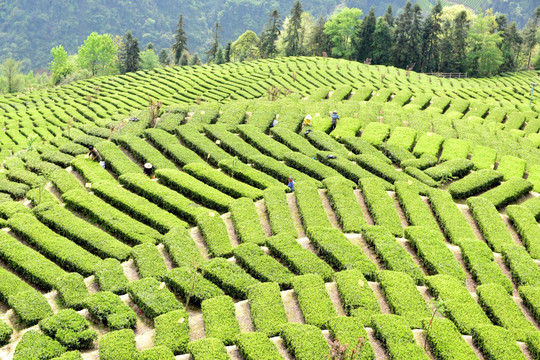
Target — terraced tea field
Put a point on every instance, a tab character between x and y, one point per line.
412	231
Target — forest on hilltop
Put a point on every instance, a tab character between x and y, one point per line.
30	28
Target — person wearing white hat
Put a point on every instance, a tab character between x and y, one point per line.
307	120
149	170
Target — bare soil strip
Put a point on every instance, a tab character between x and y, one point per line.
293	208
362	202
263	217
328	209
292	309
243	315
197	236
230	229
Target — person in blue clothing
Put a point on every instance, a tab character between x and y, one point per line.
290	184
335	118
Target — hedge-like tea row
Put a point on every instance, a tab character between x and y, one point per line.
432	251
301	261
428	143
115	159
452	221
356	296
231	143
149	261
72	291
256	346
172	331
496	343
454	149
503	311
531	298
215	234
58	158
266	308
262	142
445	341
397	153
90	170
208	349
222	182
313	299
228	276
376	133
310	205
350	333
40	196
59	249
280	171
118	345
403	137
339	252
64	181
110	276
203	146
262	266
188	283
10	208
109	309
381	206
170	146
152	298
483	157
450	169
181	248
305	342
349	169
397	337
34	345
161	195
195	189
425	161
345	204
403	298
219	319
144	152
16	190
527	228
70	329
24	176
246	221
511	166
325	142
416	210
309	166
475	183
112	219
360	146
5	333
490	223
509	191
533	204
279	215
81	232
157	352
461	308
294	141
421	176
522	267
29	306
249	175
391	253
140	208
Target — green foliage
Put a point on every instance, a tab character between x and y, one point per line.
496	343
70	329
351	334
508	192
5	333
152	297
266	308
191	285
156	353
219	319
110	276
357	297
310	205
313	300
208	349
36	345
111	310
490	223
381	206
172	331
475	183
73	291
118	345
256	346
277	207
98	53
445	341
397	337
149	261
246	221
229	277
305	342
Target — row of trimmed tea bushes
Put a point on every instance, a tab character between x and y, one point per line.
152	298
249	175
310	205
527	228
169	145
201	145
279	214
475	183
149	261
259	140
397	337
182	249
310	166
280	171
381	206
416	210
162	196
231	143
144	152
113	220
345	204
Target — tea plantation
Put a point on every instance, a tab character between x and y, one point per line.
412	231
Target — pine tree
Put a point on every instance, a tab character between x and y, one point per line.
129	55
382	42
293	45
459	44
364	46
402	37
511	44
195	60
180	40
320	42
389	16
227	54
211	53
164	57
220	58
270	35
150	46
184	60
530	34
432	30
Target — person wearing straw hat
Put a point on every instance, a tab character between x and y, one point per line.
149	170
335	118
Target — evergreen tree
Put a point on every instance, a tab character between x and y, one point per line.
402	36
320	42
195	60
164	57
227	54
220	57
211	53
459	44
530	34
364	46
431	36
293	45
150	46
389	16
447	61
511	44
180	40
184	60
382	42
129	54
10	70
270	35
